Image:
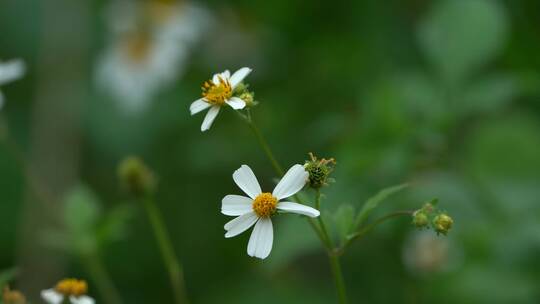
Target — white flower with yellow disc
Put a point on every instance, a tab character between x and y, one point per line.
217	92
259	207
72	289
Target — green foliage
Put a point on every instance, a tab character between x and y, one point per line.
373	202
460	36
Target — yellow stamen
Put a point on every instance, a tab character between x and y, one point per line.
217	94
72	287
265	205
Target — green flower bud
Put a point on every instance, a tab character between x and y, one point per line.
136	177
248	98
420	219
442	223
319	170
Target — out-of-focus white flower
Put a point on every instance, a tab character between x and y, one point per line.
426	253
258	208
217	92
72	289
10	71
150	45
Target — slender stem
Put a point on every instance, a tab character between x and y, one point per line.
265	147
326	237
338	277
370	227
102	279
174	267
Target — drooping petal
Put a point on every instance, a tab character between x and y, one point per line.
209	118
238	76
240	224
246	180
236	205
11	70
198	105
292	182
298	209
236	103
81	300
51	296
261	239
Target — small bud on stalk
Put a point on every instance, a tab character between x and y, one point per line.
442	223
136	177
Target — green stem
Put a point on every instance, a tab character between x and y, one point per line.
332	256
102	279
265	147
174	267
370	227
338	277
326	237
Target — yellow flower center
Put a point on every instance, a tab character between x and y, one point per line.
265	204
72	287
217	94
137	46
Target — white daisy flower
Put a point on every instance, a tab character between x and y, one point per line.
217	92
149	49
72	289
10	71
258	208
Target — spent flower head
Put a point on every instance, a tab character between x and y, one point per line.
135	176
217	92
73	290
319	170
259	207
12	296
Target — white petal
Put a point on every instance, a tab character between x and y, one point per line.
209	118
240	224
81	300
298	209
11	70
225	76
246	180
261	239
236	205
236	103
292	182
51	296
238	76
198	105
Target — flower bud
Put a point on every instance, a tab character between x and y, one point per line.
420	219
136	177
319	170
12	296
442	223
248	98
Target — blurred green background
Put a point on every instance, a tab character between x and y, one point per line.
444	94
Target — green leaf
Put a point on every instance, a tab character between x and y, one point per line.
374	202
460	36
344	220
488	94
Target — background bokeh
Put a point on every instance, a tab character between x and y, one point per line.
444	94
